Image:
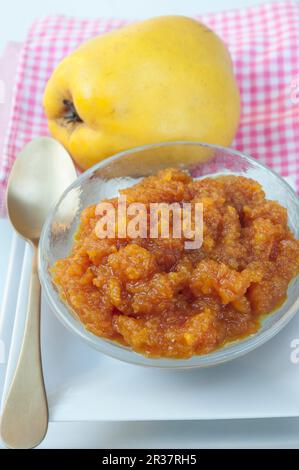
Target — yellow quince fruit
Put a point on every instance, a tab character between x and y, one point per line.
164	79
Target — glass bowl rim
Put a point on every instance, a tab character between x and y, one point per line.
225	353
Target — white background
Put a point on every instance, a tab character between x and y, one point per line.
15	19
16	15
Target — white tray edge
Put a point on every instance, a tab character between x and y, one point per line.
9	302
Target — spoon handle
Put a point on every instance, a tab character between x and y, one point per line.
24	419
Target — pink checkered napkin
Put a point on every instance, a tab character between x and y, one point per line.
263	41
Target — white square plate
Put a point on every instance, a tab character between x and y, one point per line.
84	385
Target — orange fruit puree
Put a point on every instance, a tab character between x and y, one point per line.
164	300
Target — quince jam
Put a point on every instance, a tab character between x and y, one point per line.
163	300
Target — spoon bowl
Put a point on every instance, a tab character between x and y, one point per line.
40	174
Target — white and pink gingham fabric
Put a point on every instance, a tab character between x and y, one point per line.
264	44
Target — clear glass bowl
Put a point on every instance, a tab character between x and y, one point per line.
125	169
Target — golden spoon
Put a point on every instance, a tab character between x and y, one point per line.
42	171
